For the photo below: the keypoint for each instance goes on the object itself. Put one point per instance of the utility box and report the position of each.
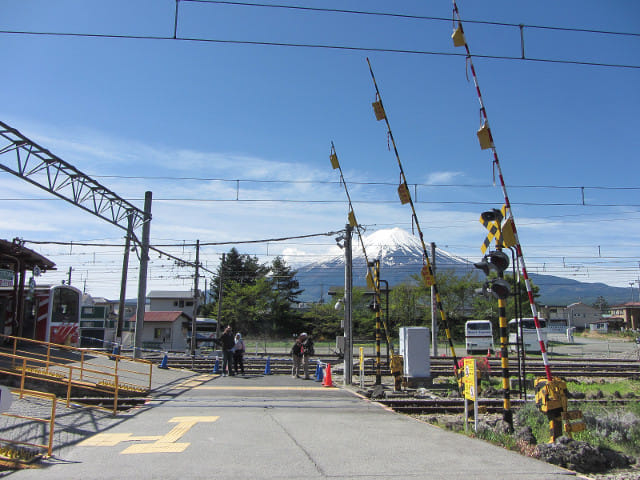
(415, 343)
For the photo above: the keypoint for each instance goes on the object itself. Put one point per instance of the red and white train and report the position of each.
(49, 314)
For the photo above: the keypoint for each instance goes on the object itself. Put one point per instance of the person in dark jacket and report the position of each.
(307, 351)
(227, 342)
(296, 356)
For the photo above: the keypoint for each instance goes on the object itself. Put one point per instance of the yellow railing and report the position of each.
(13, 449)
(116, 373)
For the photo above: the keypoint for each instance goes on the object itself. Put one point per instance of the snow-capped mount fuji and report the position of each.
(400, 255)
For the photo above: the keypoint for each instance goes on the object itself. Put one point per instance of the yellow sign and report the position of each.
(470, 381)
(429, 281)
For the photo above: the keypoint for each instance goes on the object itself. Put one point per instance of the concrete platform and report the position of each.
(276, 427)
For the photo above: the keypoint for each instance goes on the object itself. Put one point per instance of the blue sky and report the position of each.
(266, 115)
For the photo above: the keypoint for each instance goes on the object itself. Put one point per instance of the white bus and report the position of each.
(478, 336)
(529, 334)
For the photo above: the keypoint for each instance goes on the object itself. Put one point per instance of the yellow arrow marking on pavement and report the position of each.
(163, 444)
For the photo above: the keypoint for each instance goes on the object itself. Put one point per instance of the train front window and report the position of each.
(65, 305)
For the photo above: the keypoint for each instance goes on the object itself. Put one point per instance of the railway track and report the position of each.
(440, 366)
(486, 405)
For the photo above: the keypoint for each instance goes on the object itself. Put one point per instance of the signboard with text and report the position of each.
(6, 278)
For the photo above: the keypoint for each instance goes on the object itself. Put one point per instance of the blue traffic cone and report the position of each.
(116, 351)
(267, 367)
(163, 363)
(216, 366)
(319, 374)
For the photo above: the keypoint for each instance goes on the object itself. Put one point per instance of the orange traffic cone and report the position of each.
(327, 382)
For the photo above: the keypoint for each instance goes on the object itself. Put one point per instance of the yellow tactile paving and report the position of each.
(161, 444)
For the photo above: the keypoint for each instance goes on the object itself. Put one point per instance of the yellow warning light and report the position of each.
(403, 193)
(352, 218)
(379, 110)
(484, 137)
(429, 281)
(334, 161)
(458, 37)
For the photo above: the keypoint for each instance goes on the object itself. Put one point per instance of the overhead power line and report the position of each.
(377, 202)
(412, 17)
(317, 46)
(355, 182)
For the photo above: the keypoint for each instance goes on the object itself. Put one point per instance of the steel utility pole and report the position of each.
(123, 282)
(220, 283)
(194, 340)
(434, 308)
(348, 288)
(142, 280)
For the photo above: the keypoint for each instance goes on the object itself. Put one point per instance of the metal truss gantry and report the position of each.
(41, 168)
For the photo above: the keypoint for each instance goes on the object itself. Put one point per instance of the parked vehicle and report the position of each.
(529, 334)
(478, 336)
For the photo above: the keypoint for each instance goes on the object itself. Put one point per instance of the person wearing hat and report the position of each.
(307, 351)
(238, 353)
(227, 343)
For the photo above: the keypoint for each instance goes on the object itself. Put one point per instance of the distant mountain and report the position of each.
(400, 255)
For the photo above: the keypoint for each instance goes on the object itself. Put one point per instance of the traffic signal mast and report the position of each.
(498, 261)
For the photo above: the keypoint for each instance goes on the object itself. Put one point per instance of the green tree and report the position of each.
(408, 305)
(286, 290)
(246, 307)
(239, 268)
(236, 271)
(456, 296)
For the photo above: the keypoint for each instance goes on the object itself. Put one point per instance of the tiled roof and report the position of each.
(168, 317)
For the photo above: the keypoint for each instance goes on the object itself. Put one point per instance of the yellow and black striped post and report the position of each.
(507, 414)
(376, 303)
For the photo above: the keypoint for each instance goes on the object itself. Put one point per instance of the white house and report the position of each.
(171, 301)
(165, 330)
(581, 316)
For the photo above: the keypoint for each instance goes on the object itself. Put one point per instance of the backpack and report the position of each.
(307, 347)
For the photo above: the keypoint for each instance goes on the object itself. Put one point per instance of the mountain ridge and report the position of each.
(401, 256)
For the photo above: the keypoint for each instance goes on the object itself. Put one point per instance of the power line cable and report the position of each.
(411, 17)
(317, 46)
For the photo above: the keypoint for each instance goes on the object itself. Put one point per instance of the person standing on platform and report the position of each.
(307, 351)
(296, 356)
(227, 343)
(238, 354)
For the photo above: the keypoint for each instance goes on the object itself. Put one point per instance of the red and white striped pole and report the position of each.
(496, 162)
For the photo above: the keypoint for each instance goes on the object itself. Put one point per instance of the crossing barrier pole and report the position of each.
(496, 162)
(405, 197)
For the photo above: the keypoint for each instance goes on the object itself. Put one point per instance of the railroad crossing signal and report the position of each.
(497, 261)
(502, 231)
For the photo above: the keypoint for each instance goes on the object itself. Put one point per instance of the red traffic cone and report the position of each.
(327, 382)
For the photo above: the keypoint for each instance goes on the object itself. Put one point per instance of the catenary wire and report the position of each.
(317, 46)
(412, 17)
